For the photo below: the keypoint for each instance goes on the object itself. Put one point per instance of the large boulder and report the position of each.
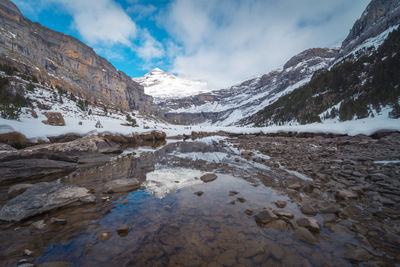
(43, 197)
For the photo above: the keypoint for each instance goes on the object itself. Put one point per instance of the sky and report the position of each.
(222, 42)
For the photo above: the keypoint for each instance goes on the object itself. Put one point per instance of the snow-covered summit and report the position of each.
(162, 85)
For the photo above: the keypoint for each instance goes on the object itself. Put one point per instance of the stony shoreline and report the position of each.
(334, 184)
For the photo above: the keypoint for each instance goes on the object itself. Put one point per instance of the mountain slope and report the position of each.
(228, 106)
(61, 60)
(358, 85)
(247, 103)
(164, 85)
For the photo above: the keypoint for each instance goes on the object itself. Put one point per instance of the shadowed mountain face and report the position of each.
(62, 60)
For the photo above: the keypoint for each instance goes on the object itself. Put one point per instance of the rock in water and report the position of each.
(304, 235)
(42, 197)
(209, 177)
(121, 185)
(265, 216)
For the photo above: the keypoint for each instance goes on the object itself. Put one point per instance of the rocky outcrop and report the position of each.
(43, 197)
(377, 17)
(62, 60)
(54, 119)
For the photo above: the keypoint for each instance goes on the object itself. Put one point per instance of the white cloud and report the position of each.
(225, 42)
(149, 48)
(100, 21)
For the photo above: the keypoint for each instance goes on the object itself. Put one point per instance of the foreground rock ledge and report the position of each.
(42, 197)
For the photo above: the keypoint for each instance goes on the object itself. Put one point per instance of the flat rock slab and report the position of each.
(121, 185)
(209, 177)
(29, 169)
(42, 197)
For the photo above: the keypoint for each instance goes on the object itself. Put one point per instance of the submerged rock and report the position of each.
(121, 185)
(265, 216)
(199, 193)
(209, 177)
(280, 204)
(357, 254)
(304, 235)
(42, 197)
(309, 223)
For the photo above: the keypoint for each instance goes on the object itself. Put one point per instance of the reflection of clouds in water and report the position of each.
(164, 181)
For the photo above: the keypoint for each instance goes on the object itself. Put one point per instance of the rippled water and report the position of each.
(170, 225)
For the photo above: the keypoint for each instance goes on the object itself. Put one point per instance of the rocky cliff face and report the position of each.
(377, 17)
(229, 106)
(62, 60)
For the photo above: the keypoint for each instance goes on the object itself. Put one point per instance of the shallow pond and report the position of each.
(176, 219)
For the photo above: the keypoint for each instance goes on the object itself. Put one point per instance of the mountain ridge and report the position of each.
(62, 60)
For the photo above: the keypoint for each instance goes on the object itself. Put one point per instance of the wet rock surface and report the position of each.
(42, 197)
(299, 200)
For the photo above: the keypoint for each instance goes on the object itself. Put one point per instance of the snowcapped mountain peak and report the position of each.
(165, 85)
(156, 70)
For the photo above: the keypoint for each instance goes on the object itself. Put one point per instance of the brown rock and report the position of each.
(283, 214)
(32, 112)
(265, 216)
(345, 194)
(54, 119)
(280, 204)
(199, 193)
(357, 254)
(232, 193)
(309, 223)
(123, 230)
(209, 177)
(13, 139)
(308, 209)
(304, 235)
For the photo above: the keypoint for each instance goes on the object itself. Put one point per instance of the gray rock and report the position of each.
(42, 197)
(17, 189)
(121, 185)
(209, 177)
